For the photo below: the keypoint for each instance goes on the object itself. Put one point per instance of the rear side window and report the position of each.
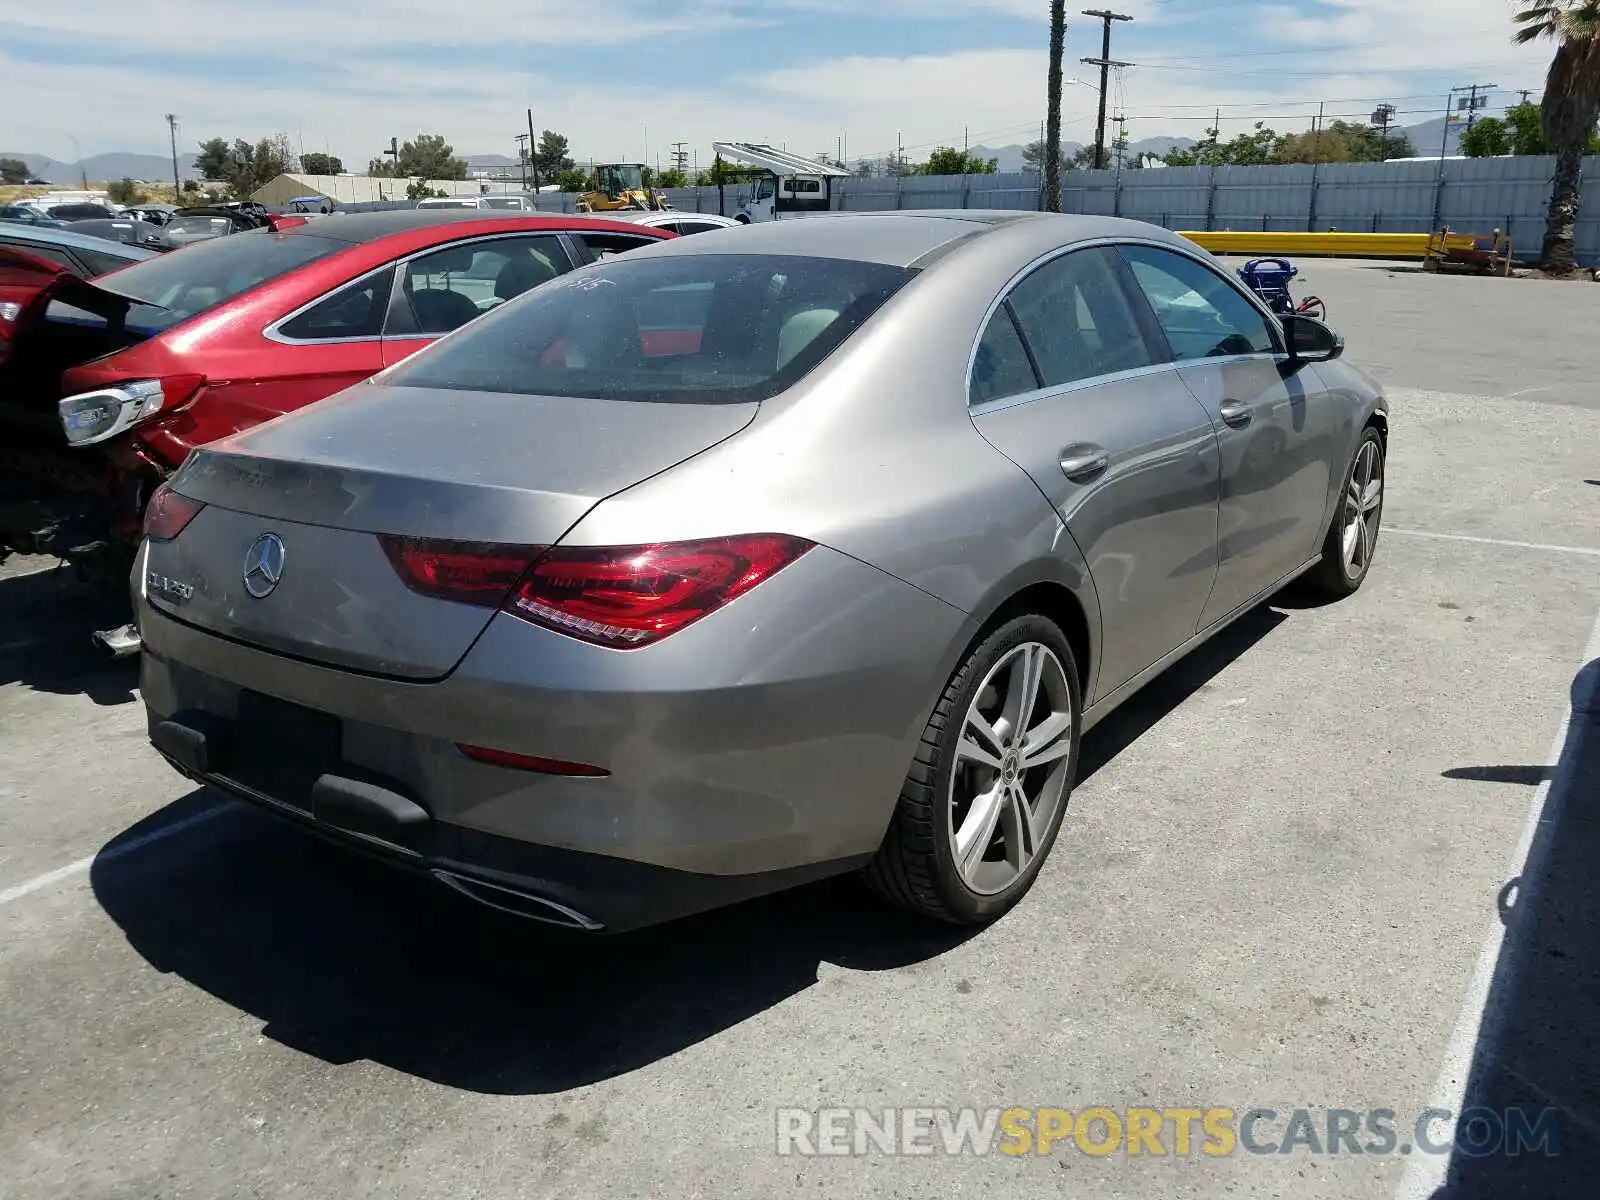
(1078, 319)
(50, 253)
(354, 311)
(706, 329)
(1001, 367)
(697, 226)
(175, 286)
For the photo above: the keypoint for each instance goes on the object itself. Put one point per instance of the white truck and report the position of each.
(787, 186)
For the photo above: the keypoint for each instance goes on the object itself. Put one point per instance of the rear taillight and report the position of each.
(630, 596)
(91, 417)
(168, 513)
(466, 572)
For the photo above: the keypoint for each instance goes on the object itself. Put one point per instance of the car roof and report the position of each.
(907, 238)
(44, 235)
(662, 216)
(357, 228)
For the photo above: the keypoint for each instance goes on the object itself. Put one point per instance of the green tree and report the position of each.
(947, 160)
(321, 164)
(13, 170)
(244, 166)
(1568, 112)
(427, 156)
(573, 180)
(420, 190)
(673, 178)
(1033, 155)
(552, 158)
(1488, 137)
(724, 172)
(1261, 145)
(212, 161)
(124, 191)
(191, 186)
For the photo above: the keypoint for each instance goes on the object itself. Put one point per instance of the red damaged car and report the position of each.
(106, 385)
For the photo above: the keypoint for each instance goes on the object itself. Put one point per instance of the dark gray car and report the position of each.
(754, 557)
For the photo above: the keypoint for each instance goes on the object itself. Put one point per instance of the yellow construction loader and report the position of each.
(618, 187)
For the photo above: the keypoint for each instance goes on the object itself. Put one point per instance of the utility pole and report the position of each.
(1120, 142)
(680, 156)
(1105, 62)
(172, 130)
(1472, 102)
(522, 157)
(1316, 136)
(1381, 117)
(533, 152)
(1524, 93)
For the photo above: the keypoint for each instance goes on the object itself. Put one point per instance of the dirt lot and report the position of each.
(1341, 859)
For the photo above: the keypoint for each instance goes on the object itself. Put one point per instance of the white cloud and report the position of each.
(348, 76)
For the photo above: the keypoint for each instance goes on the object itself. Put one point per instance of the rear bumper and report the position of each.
(590, 893)
(760, 748)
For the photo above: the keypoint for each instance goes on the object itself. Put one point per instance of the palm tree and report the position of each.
(1052, 120)
(1568, 112)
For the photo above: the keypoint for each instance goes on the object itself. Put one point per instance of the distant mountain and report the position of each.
(1159, 145)
(489, 160)
(1425, 138)
(150, 168)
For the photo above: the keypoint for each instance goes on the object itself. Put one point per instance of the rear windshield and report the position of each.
(186, 282)
(710, 328)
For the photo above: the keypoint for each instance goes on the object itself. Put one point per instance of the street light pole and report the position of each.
(172, 130)
(1105, 62)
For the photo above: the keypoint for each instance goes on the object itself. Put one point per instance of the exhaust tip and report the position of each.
(521, 904)
(121, 642)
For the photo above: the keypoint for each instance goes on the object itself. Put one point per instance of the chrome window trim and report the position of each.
(273, 332)
(1049, 256)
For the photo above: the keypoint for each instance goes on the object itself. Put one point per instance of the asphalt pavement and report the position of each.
(1340, 858)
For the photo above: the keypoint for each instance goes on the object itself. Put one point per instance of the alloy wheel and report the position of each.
(1363, 498)
(1011, 766)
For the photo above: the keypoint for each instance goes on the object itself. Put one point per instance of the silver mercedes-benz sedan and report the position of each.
(753, 557)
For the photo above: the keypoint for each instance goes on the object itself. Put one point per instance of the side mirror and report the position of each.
(1310, 340)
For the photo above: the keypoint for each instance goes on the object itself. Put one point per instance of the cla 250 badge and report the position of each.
(173, 589)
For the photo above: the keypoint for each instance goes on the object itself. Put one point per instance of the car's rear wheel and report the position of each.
(1353, 537)
(987, 790)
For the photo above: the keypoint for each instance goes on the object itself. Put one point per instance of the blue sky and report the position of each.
(625, 78)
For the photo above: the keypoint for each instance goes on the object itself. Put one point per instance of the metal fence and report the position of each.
(1468, 195)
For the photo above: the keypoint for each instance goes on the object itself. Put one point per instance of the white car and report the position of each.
(674, 220)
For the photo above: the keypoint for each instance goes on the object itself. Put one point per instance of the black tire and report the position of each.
(915, 867)
(1330, 578)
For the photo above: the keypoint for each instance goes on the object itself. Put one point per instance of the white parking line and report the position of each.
(1484, 541)
(139, 843)
(1476, 1026)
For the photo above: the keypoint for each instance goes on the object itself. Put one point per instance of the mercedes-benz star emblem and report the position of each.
(263, 565)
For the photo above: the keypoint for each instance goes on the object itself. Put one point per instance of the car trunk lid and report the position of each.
(332, 480)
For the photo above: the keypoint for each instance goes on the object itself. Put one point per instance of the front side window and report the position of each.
(1201, 314)
(604, 245)
(1078, 319)
(764, 189)
(695, 329)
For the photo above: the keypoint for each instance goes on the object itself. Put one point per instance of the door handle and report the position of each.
(1082, 461)
(1236, 413)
